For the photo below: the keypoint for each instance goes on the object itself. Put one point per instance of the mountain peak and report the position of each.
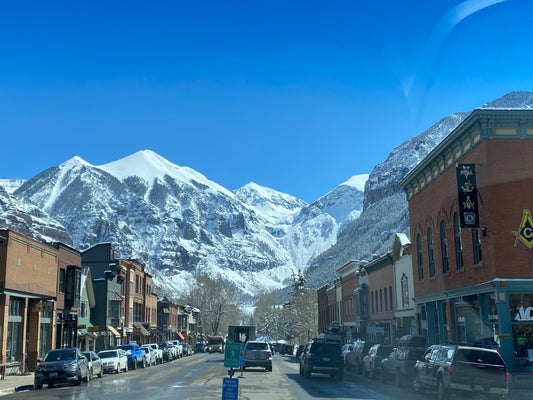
(357, 181)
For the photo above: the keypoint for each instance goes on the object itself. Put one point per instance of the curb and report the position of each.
(8, 390)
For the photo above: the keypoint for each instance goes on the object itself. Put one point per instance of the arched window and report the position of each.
(419, 257)
(458, 241)
(431, 260)
(444, 247)
(476, 244)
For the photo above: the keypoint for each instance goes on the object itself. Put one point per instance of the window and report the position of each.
(458, 241)
(419, 257)
(62, 274)
(380, 300)
(476, 243)
(137, 284)
(444, 247)
(431, 260)
(372, 296)
(405, 291)
(390, 298)
(14, 330)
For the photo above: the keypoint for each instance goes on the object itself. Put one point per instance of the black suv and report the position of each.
(322, 357)
(467, 370)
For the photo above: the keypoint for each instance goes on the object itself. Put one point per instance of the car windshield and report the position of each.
(60, 355)
(108, 354)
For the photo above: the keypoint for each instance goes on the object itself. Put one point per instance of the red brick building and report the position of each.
(471, 234)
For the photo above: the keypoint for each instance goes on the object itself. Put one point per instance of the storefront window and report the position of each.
(14, 330)
(522, 324)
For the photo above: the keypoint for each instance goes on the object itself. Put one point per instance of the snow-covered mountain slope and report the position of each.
(24, 217)
(181, 224)
(10, 185)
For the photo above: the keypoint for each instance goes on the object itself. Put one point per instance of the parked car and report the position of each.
(136, 355)
(257, 354)
(322, 356)
(200, 347)
(61, 366)
(400, 364)
(114, 360)
(345, 350)
(179, 347)
(354, 358)
(168, 352)
(151, 354)
(187, 349)
(95, 364)
(158, 351)
(464, 370)
(372, 361)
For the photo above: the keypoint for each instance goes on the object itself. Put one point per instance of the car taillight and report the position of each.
(452, 371)
(270, 354)
(506, 377)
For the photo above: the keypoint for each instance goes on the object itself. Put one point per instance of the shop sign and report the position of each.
(525, 231)
(467, 195)
(524, 314)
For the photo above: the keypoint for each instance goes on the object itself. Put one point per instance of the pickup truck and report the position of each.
(135, 354)
(462, 370)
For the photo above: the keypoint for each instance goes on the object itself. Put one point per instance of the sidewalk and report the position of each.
(16, 383)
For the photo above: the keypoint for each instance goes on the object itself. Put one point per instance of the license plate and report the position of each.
(325, 359)
(479, 388)
(53, 374)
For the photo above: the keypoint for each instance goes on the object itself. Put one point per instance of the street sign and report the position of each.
(230, 389)
(232, 354)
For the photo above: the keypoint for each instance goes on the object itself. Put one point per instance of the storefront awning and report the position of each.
(139, 328)
(113, 331)
(83, 324)
(180, 335)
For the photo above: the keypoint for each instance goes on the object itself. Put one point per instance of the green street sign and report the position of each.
(232, 354)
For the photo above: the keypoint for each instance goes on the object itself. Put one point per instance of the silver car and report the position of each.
(258, 354)
(95, 364)
(151, 354)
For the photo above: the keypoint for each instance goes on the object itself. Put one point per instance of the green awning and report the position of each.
(83, 324)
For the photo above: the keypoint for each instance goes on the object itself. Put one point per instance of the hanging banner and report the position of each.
(467, 190)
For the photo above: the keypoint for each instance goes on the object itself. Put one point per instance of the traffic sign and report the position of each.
(232, 354)
(230, 389)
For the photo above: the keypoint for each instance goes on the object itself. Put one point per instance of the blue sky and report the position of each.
(293, 95)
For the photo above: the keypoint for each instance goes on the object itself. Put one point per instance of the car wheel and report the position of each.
(117, 370)
(442, 392)
(77, 382)
(50, 385)
(301, 370)
(101, 373)
(307, 373)
(417, 386)
(37, 386)
(126, 367)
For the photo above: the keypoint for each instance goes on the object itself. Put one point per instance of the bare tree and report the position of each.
(216, 300)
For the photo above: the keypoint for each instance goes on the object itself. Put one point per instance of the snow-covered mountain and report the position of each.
(179, 223)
